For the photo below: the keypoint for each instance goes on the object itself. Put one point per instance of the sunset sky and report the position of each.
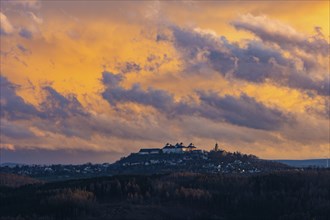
(92, 81)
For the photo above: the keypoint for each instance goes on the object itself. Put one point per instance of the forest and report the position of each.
(292, 194)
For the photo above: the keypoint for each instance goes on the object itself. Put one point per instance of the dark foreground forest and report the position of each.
(281, 195)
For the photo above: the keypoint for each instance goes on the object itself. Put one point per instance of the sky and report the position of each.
(93, 81)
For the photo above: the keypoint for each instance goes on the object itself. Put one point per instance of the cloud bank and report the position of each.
(184, 72)
(255, 61)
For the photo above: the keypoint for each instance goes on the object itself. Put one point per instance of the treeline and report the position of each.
(13, 180)
(282, 195)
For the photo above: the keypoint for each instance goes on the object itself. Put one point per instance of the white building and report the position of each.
(172, 149)
(150, 151)
(169, 149)
(178, 148)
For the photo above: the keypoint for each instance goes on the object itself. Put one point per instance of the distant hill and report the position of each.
(11, 164)
(306, 163)
(195, 161)
(13, 180)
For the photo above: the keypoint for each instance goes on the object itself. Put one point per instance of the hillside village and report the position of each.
(169, 158)
(181, 158)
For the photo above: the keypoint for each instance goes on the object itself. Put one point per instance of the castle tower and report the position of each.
(216, 147)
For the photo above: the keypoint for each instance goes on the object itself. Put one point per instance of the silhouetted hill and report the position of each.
(196, 161)
(306, 163)
(135, 163)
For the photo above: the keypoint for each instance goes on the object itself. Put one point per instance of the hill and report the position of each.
(306, 163)
(195, 161)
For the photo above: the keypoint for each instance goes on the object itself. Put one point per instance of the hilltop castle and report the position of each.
(170, 149)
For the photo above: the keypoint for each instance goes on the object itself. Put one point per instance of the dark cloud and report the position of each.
(13, 106)
(56, 105)
(25, 33)
(128, 67)
(162, 37)
(242, 111)
(12, 130)
(299, 81)
(283, 35)
(114, 93)
(254, 62)
(111, 80)
(153, 62)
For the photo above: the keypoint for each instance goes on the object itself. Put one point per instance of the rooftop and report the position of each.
(149, 149)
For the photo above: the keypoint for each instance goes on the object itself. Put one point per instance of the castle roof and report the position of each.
(149, 149)
(191, 146)
(169, 146)
(177, 145)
